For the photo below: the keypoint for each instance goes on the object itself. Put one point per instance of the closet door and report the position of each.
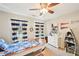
(53, 36)
(53, 40)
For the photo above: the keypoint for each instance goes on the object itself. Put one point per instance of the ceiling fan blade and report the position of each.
(52, 4)
(50, 11)
(34, 9)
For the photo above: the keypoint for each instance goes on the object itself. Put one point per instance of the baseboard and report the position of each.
(61, 48)
(52, 45)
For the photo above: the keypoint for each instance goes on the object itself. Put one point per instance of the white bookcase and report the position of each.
(19, 29)
(39, 30)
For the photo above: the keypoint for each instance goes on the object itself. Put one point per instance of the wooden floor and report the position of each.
(46, 52)
(51, 51)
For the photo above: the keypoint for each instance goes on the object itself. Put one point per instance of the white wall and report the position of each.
(66, 17)
(5, 25)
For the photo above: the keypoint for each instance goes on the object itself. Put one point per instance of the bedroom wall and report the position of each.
(5, 25)
(74, 16)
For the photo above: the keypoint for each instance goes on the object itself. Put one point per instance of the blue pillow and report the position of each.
(4, 46)
(2, 40)
(1, 50)
(35, 42)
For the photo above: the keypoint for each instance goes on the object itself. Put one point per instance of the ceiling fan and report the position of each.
(45, 7)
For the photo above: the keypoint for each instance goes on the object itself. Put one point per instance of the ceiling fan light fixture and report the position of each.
(43, 11)
(45, 8)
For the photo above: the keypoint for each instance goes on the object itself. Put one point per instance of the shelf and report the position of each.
(14, 38)
(14, 29)
(15, 24)
(14, 33)
(24, 37)
(36, 35)
(42, 25)
(69, 37)
(37, 25)
(72, 48)
(25, 33)
(70, 42)
(24, 28)
(24, 24)
(39, 30)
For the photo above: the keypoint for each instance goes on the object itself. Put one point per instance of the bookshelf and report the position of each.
(70, 43)
(19, 29)
(39, 30)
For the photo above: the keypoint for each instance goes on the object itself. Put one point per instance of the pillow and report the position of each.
(1, 50)
(2, 40)
(34, 43)
(4, 46)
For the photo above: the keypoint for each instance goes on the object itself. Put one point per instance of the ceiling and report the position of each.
(23, 9)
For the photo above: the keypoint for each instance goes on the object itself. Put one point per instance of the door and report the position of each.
(53, 40)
